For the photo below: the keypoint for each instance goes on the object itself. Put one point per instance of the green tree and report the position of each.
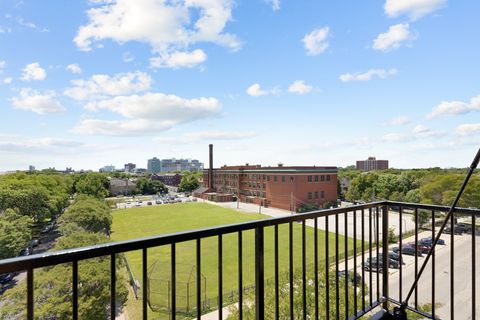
(93, 184)
(89, 213)
(189, 182)
(149, 186)
(15, 233)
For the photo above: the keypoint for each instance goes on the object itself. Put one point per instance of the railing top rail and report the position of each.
(433, 207)
(76, 254)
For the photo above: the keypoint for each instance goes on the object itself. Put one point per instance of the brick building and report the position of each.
(281, 187)
(372, 164)
(169, 179)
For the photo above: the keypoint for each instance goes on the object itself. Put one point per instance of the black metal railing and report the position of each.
(366, 229)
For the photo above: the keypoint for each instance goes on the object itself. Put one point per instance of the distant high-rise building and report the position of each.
(108, 168)
(372, 164)
(31, 168)
(154, 165)
(130, 167)
(171, 165)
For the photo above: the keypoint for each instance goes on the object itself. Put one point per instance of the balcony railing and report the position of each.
(367, 231)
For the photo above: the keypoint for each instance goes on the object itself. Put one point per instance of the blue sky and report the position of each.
(298, 82)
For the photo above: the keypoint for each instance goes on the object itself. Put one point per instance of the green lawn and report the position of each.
(156, 220)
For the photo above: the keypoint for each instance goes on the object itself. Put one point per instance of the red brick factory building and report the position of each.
(280, 187)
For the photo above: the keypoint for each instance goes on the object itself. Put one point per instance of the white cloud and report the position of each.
(274, 3)
(33, 71)
(366, 76)
(300, 87)
(455, 107)
(30, 25)
(147, 114)
(420, 129)
(167, 26)
(7, 80)
(468, 129)
(400, 121)
(47, 144)
(256, 91)
(393, 38)
(5, 29)
(415, 9)
(3, 64)
(397, 137)
(74, 68)
(316, 41)
(194, 137)
(102, 86)
(179, 59)
(34, 101)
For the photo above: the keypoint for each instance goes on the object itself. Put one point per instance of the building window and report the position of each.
(263, 185)
(309, 196)
(263, 177)
(316, 195)
(322, 194)
(309, 178)
(283, 178)
(268, 178)
(322, 178)
(292, 179)
(316, 178)
(328, 178)
(275, 178)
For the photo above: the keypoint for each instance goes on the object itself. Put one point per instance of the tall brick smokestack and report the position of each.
(210, 169)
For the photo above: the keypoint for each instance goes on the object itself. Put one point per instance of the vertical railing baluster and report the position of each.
(173, 280)
(346, 261)
(277, 303)
(363, 260)
(75, 290)
(385, 255)
(370, 254)
(220, 278)
(377, 235)
(144, 284)
(290, 232)
(199, 279)
(240, 276)
(433, 265)
(304, 273)
(113, 294)
(30, 289)
(400, 288)
(259, 274)
(327, 267)
(474, 252)
(355, 262)
(337, 287)
(452, 267)
(416, 257)
(315, 265)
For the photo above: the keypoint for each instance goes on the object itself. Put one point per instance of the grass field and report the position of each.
(156, 220)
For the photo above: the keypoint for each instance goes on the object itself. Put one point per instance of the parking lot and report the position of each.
(154, 201)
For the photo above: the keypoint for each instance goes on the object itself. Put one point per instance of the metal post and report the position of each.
(385, 254)
(259, 274)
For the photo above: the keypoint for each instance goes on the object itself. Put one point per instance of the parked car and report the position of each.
(34, 243)
(428, 241)
(194, 199)
(158, 201)
(408, 250)
(47, 228)
(26, 252)
(372, 265)
(149, 203)
(354, 277)
(394, 259)
(456, 230)
(391, 262)
(6, 278)
(423, 248)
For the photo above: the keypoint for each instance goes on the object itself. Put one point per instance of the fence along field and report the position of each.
(156, 220)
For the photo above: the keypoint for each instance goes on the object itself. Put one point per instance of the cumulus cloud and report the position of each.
(316, 42)
(468, 129)
(46, 144)
(74, 68)
(400, 121)
(420, 129)
(415, 9)
(255, 90)
(128, 57)
(35, 101)
(101, 86)
(3, 64)
(179, 59)
(7, 80)
(366, 76)
(193, 137)
(146, 114)
(300, 87)
(393, 38)
(33, 71)
(167, 26)
(454, 108)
